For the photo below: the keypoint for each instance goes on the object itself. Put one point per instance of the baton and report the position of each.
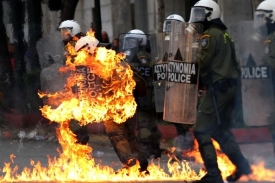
(214, 98)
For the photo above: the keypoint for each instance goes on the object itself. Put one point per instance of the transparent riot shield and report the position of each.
(181, 88)
(256, 81)
(50, 50)
(140, 51)
(159, 70)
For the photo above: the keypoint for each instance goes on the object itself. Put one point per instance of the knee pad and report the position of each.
(144, 133)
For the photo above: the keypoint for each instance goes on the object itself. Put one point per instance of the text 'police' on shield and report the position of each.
(178, 72)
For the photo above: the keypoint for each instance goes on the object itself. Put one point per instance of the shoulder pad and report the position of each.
(267, 41)
(267, 46)
(204, 41)
(205, 36)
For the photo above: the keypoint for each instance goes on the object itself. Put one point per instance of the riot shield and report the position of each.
(50, 50)
(140, 57)
(88, 84)
(256, 81)
(159, 70)
(181, 88)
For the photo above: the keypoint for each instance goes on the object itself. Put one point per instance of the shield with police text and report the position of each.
(140, 50)
(257, 91)
(88, 84)
(159, 69)
(181, 87)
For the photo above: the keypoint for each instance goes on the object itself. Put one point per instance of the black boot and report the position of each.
(242, 168)
(143, 165)
(126, 165)
(211, 177)
(156, 151)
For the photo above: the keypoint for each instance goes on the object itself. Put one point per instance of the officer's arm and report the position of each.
(144, 58)
(271, 54)
(206, 54)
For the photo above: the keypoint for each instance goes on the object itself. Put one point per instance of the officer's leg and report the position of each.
(121, 146)
(205, 125)
(272, 131)
(81, 132)
(227, 141)
(149, 133)
(184, 141)
(229, 146)
(183, 131)
(202, 132)
(130, 131)
(136, 146)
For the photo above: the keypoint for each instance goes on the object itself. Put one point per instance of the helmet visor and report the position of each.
(197, 14)
(65, 33)
(130, 42)
(262, 17)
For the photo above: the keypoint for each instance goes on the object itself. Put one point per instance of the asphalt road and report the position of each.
(103, 154)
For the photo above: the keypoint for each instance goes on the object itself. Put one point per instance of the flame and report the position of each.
(104, 87)
(99, 88)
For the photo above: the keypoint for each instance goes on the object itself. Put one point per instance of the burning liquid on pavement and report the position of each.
(99, 88)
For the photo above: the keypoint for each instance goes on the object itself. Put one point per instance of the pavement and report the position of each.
(17, 120)
(25, 150)
(40, 143)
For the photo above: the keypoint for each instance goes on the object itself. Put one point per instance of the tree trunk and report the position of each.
(5, 64)
(18, 20)
(35, 33)
(68, 10)
(6, 73)
(161, 15)
(98, 20)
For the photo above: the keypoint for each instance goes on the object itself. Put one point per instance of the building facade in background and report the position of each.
(120, 16)
(123, 15)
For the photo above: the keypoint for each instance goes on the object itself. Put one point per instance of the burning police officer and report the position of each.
(121, 135)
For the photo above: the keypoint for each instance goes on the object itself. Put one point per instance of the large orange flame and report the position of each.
(105, 73)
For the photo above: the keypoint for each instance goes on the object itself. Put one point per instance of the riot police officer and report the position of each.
(70, 33)
(218, 71)
(137, 47)
(185, 139)
(265, 17)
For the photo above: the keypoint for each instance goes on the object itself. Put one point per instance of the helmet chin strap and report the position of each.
(270, 26)
(208, 16)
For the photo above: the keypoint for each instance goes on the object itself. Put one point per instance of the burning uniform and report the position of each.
(265, 17)
(121, 135)
(218, 72)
